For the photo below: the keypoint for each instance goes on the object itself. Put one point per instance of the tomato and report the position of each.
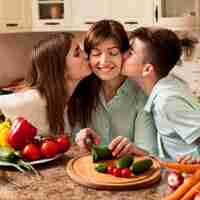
(31, 152)
(110, 170)
(63, 142)
(125, 172)
(49, 148)
(116, 172)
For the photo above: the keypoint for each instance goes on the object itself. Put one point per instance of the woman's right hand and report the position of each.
(188, 159)
(85, 133)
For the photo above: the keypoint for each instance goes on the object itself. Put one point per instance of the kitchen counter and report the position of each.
(54, 184)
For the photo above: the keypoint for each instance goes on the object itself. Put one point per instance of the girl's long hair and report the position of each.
(47, 75)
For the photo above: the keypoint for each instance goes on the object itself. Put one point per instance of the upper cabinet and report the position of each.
(133, 13)
(15, 16)
(179, 14)
(78, 15)
(51, 15)
(72, 15)
(86, 12)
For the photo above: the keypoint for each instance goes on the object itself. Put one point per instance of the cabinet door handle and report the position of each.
(89, 22)
(11, 25)
(131, 22)
(156, 13)
(51, 23)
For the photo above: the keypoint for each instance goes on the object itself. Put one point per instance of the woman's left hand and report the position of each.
(122, 146)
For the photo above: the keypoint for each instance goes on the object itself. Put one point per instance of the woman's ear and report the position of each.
(148, 69)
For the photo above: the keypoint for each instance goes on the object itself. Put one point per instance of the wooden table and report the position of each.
(54, 184)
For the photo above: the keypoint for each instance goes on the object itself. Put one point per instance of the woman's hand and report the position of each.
(122, 146)
(188, 159)
(85, 133)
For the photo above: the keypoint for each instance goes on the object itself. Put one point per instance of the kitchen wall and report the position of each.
(14, 54)
(15, 50)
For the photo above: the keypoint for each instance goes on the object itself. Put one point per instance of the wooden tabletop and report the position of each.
(54, 184)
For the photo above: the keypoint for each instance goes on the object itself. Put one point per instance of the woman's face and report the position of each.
(77, 62)
(106, 60)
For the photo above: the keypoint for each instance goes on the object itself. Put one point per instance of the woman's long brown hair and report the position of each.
(47, 75)
(86, 96)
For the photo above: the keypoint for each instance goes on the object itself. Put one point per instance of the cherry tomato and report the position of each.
(125, 172)
(116, 172)
(49, 148)
(110, 170)
(63, 142)
(31, 152)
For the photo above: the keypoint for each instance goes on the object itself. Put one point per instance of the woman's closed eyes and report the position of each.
(111, 52)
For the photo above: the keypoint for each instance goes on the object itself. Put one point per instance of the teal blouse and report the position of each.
(124, 116)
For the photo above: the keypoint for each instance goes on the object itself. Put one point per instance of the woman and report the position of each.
(58, 65)
(115, 112)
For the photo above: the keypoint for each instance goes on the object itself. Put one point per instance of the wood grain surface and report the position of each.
(81, 170)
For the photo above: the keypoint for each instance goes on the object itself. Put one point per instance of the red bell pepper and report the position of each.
(21, 133)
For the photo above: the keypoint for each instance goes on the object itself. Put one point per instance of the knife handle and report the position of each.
(89, 142)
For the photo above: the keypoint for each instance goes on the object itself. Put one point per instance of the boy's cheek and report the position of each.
(125, 56)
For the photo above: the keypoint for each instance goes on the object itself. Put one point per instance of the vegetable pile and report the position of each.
(19, 144)
(124, 167)
(185, 188)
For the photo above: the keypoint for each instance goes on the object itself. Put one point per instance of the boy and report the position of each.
(154, 52)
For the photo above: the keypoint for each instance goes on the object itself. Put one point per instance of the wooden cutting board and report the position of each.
(81, 170)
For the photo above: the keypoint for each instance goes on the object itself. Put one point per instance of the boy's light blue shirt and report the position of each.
(124, 115)
(177, 117)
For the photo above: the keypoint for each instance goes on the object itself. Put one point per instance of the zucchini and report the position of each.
(141, 166)
(101, 153)
(101, 167)
(124, 161)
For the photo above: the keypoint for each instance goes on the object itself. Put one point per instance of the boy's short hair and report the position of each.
(163, 47)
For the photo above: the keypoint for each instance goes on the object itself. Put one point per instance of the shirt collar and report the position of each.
(125, 88)
(154, 93)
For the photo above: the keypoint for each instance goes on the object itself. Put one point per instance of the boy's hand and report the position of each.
(187, 159)
(122, 146)
(85, 133)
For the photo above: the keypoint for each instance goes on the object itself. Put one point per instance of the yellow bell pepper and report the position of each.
(4, 132)
(5, 124)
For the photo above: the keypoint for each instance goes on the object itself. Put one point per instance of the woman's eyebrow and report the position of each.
(114, 47)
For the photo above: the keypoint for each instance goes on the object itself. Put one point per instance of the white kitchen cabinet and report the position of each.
(51, 15)
(15, 15)
(179, 15)
(86, 12)
(133, 13)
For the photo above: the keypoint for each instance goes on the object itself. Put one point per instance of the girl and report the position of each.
(58, 65)
(106, 101)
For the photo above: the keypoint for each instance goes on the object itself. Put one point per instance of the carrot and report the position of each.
(185, 187)
(191, 193)
(188, 168)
